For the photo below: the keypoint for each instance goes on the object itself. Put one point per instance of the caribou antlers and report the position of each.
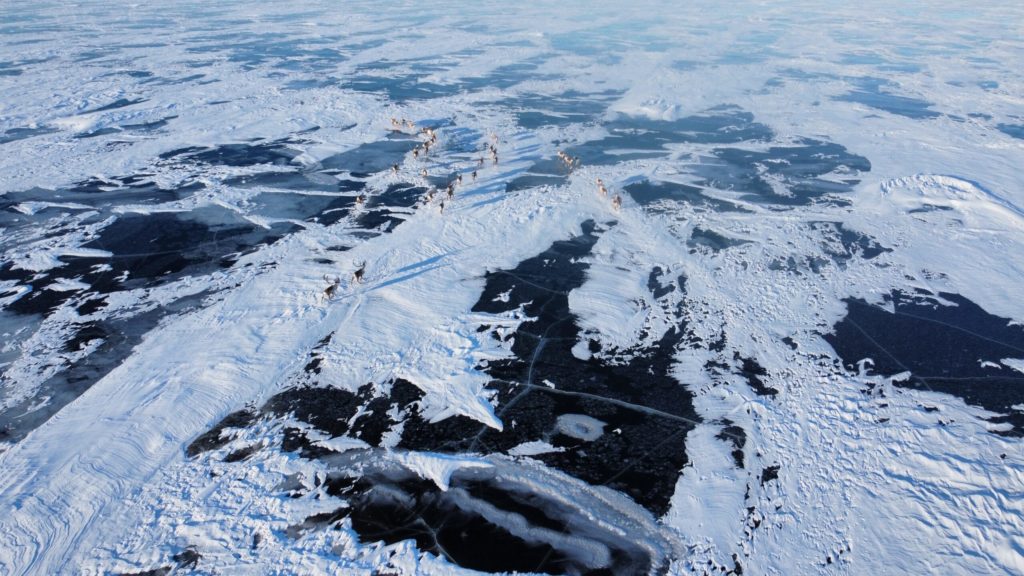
(334, 283)
(332, 287)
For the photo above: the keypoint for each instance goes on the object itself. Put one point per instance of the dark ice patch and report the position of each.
(372, 157)
(295, 181)
(528, 181)
(942, 344)
(736, 436)
(152, 246)
(844, 243)
(646, 411)
(116, 338)
(606, 43)
(570, 107)
(102, 194)
(639, 450)
(659, 290)
(399, 87)
(159, 81)
(877, 94)
(1013, 130)
(799, 265)
(636, 138)
(219, 436)
(147, 249)
(276, 49)
(646, 192)
(475, 524)
(400, 195)
(800, 168)
(646, 414)
(388, 209)
(277, 152)
(406, 80)
(328, 409)
(13, 134)
(319, 208)
(545, 172)
(702, 237)
(753, 373)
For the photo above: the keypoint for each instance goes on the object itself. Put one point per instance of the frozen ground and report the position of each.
(797, 347)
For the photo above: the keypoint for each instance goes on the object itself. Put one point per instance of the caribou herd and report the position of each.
(429, 137)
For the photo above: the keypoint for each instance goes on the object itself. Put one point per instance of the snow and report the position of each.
(581, 426)
(438, 467)
(1015, 363)
(866, 483)
(533, 448)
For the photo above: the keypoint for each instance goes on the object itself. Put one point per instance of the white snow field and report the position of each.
(797, 347)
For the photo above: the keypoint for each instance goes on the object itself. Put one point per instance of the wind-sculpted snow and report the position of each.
(459, 288)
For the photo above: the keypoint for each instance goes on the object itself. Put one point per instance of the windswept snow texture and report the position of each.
(473, 287)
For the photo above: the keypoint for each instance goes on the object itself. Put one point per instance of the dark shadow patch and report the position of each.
(119, 103)
(162, 571)
(149, 126)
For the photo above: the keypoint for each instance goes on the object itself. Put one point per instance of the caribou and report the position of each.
(332, 287)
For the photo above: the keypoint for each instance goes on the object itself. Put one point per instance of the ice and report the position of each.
(180, 227)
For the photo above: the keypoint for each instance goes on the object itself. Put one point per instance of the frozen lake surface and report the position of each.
(459, 288)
